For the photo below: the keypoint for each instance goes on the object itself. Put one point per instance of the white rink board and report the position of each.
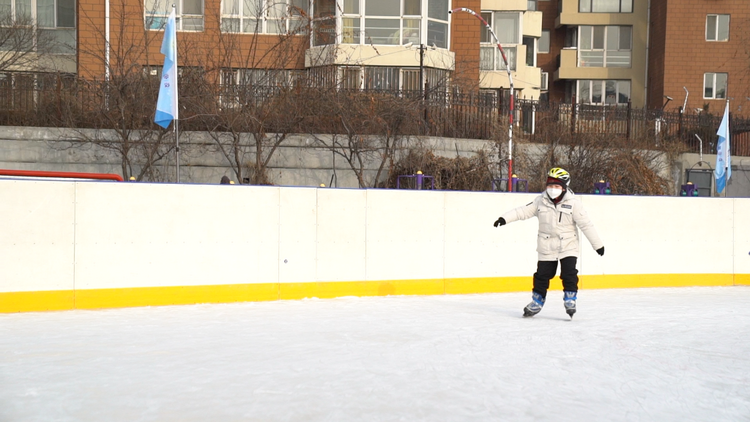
(64, 235)
(742, 236)
(297, 234)
(405, 234)
(660, 235)
(475, 248)
(144, 235)
(342, 235)
(36, 235)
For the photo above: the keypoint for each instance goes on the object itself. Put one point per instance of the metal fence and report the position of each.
(33, 100)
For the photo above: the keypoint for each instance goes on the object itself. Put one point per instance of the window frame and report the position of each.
(150, 18)
(268, 24)
(603, 92)
(541, 43)
(592, 2)
(510, 48)
(714, 85)
(63, 37)
(607, 56)
(717, 28)
(357, 25)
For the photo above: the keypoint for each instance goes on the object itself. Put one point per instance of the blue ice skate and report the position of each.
(533, 308)
(569, 300)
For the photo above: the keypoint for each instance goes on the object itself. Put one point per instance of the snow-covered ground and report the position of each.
(678, 354)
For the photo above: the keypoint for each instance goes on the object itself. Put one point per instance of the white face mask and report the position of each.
(554, 192)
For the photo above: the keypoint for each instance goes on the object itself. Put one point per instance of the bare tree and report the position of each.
(249, 108)
(22, 44)
(116, 113)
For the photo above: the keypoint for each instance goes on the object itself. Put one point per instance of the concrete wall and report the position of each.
(77, 245)
(300, 161)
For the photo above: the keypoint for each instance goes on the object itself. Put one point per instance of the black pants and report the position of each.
(545, 270)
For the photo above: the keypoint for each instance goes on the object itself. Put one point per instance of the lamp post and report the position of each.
(510, 79)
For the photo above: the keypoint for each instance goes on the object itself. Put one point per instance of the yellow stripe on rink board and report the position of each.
(742, 279)
(177, 295)
(361, 288)
(227, 293)
(626, 281)
(52, 300)
(488, 285)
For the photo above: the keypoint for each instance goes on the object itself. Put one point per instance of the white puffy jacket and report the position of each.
(558, 225)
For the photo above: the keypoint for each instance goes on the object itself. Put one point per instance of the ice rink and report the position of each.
(680, 354)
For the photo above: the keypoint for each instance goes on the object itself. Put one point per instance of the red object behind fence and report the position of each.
(61, 174)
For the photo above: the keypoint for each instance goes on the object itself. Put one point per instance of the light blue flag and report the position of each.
(166, 106)
(723, 170)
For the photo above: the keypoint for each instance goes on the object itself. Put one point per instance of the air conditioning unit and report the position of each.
(545, 82)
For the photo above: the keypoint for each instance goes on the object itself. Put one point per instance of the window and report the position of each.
(717, 27)
(381, 78)
(543, 47)
(264, 16)
(605, 6)
(715, 86)
(531, 5)
(508, 32)
(605, 46)
(351, 78)
(610, 92)
(544, 86)
(55, 19)
(347, 78)
(393, 22)
(324, 22)
(530, 53)
(437, 23)
(189, 14)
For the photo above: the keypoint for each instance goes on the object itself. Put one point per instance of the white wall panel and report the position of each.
(297, 235)
(405, 234)
(741, 235)
(137, 235)
(36, 235)
(58, 235)
(474, 248)
(660, 235)
(342, 235)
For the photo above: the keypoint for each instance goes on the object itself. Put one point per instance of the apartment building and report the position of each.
(518, 27)
(652, 53)
(699, 55)
(595, 50)
(358, 44)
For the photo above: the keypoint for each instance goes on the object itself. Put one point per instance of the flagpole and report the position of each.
(726, 167)
(177, 141)
(177, 108)
(723, 169)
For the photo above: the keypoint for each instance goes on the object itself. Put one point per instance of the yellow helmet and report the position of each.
(559, 174)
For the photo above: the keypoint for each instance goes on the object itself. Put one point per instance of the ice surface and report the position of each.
(678, 354)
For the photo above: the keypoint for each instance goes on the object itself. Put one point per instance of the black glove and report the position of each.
(500, 222)
(600, 251)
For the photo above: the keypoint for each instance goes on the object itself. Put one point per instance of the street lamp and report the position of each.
(510, 79)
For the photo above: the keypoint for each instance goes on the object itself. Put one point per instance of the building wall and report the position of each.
(210, 49)
(657, 53)
(688, 55)
(547, 62)
(636, 73)
(465, 35)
